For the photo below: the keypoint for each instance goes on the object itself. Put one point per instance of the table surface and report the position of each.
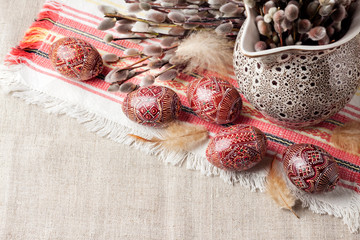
(59, 181)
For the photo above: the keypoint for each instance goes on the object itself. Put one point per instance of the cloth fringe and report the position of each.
(52, 5)
(35, 35)
(332, 203)
(252, 179)
(350, 215)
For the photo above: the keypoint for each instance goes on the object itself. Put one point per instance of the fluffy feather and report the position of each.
(179, 136)
(205, 50)
(277, 189)
(347, 137)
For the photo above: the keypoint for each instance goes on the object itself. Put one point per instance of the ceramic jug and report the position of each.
(298, 85)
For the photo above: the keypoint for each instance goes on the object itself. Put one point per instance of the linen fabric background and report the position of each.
(58, 181)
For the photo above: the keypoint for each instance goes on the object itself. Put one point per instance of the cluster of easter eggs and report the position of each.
(235, 148)
(213, 99)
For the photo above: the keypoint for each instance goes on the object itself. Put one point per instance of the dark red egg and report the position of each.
(237, 148)
(215, 100)
(75, 58)
(310, 168)
(153, 106)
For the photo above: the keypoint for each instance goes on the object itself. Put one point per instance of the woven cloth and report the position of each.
(29, 75)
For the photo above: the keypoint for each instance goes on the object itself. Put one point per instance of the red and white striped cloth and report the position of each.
(31, 77)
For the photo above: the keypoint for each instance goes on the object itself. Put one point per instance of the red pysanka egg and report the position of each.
(153, 106)
(75, 58)
(215, 100)
(237, 148)
(310, 168)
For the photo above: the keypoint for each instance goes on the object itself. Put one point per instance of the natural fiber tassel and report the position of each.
(179, 136)
(33, 37)
(277, 189)
(205, 50)
(347, 137)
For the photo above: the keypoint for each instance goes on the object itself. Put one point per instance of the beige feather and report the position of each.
(179, 136)
(277, 189)
(205, 50)
(347, 137)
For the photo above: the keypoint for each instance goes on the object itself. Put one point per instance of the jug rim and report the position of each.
(247, 47)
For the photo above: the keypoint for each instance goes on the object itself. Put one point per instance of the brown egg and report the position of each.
(237, 148)
(215, 100)
(75, 58)
(310, 168)
(153, 106)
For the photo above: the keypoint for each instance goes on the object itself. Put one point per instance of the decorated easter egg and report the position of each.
(215, 100)
(310, 168)
(75, 58)
(153, 106)
(237, 148)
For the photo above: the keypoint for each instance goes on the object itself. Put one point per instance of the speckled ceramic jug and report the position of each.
(298, 86)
